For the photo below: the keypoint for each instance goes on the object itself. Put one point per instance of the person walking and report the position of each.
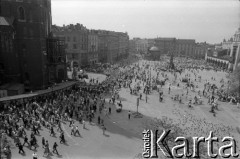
(33, 143)
(52, 133)
(84, 123)
(70, 122)
(129, 114)
(76, 131)
(55, 145)
(25, 141)
(20, 148)
(99, 120)
(62, 138)
(104, 129)
(43, 142)
(72, 129)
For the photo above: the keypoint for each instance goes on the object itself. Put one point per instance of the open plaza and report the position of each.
(104, 132)
(117, 79)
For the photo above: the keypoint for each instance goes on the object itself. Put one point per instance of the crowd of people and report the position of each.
(81, 102)
(78, 103)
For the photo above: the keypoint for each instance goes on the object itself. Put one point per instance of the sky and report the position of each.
(202, 20)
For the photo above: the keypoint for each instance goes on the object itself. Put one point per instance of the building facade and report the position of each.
(56, 59)
(178, 47)
(103, 46)
(92, 47)
(123, 45)
(166, 45)
(200, 50)
(141, 45)
(8, 62)
(229, 51)
(86, 47)
(185, 47)
(32, 26)
(76, 43)
(112, 46)
(132, 46)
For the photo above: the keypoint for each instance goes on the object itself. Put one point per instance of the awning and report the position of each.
(41, 92)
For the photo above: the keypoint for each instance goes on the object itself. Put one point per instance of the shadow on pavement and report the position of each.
(65, 143)
(118, 123)
(106, 135)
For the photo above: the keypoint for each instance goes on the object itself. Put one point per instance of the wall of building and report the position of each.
(92, 47)
(87, 47)
(123, 45)
(76, 41)
(32, 26)
(185, 47)
(113, 46)
(200, 50)
(9, 71)
(102, 46)
(165, 45)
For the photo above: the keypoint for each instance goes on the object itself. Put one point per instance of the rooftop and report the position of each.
(4, 21)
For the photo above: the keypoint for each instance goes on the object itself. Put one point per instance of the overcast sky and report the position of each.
(203, 20)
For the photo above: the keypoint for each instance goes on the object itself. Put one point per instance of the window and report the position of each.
(74, 39)
(68, 38)
(74, 46)
(31, 32)
(21, 13)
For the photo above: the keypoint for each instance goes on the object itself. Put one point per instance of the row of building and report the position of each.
(85, 47)
(34, 53)
(180, 47)
(227, 54)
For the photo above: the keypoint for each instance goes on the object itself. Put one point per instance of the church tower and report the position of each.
(32, 21)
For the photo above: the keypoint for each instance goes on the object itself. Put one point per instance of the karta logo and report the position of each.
(152, 143)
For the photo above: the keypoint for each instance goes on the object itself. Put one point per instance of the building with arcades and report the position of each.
(227, 55)
(31, 23)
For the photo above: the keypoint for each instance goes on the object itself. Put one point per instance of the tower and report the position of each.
(32, 22)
